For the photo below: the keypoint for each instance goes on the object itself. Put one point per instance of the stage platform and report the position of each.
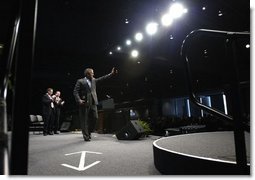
(206, 153)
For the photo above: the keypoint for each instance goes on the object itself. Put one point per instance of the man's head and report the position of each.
(57, 93)
(89, 73)
(50, 91)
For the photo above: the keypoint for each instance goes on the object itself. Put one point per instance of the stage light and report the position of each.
(110, 52)
(204, 8)
(205, 53)
(151, 28)
(177, 10)
(220, 13)
(134, 53)
(166, 20)
(139, 36)
(128, 42)
(126, 21)
(247, 46)
(118, 48)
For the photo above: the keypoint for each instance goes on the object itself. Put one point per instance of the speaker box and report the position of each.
(133, 130)
(119, 120)
(65, 126)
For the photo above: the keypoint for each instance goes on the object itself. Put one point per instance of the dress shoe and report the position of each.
(50, 133)
(86, 138)
(45, 134)
(56, 132)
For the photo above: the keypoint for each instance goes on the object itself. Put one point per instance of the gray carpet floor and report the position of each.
(67, 154)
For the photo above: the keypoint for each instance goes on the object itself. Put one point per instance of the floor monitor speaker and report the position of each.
(133, 130)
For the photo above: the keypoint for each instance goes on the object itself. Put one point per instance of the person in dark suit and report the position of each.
(47, 112)
(58, 103)
(86, 97)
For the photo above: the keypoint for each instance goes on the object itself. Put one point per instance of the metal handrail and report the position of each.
(239, 128)
(23, 71)
(3, 95)
(185, 44)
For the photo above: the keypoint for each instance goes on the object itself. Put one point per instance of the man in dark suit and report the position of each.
(86, 97)
(58, 103)
(47, 112)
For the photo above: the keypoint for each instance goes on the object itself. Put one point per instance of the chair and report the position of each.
(39, 123)
(32, 118)
(32, 121)
(36, 123)
(39, 118)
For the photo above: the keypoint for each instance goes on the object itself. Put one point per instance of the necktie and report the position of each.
(89, 83)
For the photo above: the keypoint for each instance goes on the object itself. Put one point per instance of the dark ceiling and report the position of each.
(74, 34)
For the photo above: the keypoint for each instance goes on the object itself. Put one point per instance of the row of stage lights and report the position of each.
(176, 10)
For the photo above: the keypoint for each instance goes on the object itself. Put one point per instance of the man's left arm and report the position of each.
(113, 72)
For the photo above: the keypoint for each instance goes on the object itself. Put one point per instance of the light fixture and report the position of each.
(177, 10)
(220, 13)
(128, 42)
(166, 20)
(134, 53)
(139, 36)
(151, 28)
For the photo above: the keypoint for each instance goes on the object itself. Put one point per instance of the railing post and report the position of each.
(237, 108)
(4, 157)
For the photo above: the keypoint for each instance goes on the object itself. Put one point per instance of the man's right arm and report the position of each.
(76, 91)
(46, 100)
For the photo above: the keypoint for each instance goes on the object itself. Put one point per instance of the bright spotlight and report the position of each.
(134, 53)
(177, 10)
(110, 52)
(128, 42)
(139, 36)
(118, 48)
(152, 28)
(166, 20)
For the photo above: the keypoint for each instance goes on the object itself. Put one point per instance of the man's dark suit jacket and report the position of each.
(82, 91)
(46, 105)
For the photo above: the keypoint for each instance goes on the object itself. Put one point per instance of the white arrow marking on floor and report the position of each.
(82, 166)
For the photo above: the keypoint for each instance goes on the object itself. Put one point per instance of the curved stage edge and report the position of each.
(207, 153)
